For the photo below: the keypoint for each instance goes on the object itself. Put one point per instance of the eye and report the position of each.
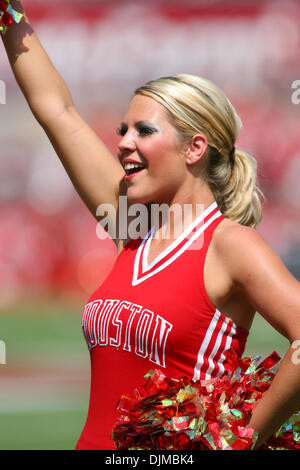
(145, 130)
(122, 130)
(142, 130)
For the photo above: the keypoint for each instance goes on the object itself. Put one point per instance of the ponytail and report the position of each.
(234, 184)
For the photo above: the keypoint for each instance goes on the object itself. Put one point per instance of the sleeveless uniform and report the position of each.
(148, 316)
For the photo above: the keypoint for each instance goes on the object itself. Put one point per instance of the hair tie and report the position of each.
(232, 155)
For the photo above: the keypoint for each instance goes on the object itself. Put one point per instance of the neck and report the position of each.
(170, 219)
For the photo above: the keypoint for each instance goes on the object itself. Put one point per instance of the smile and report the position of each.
(133, 168)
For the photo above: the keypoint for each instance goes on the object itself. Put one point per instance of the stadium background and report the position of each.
(50, 257)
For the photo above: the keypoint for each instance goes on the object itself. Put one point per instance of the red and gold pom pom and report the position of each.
(8, 16)
(172, 414)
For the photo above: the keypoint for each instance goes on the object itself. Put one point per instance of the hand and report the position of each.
(17, 5)
(9, 15)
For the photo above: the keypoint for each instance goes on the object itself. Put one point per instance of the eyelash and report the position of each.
(121, 131)
(142, 131)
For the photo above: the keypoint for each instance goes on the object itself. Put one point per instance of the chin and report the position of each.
(135, 197)
(144, 195)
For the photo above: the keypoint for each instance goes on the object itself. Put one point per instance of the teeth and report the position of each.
(132, 166)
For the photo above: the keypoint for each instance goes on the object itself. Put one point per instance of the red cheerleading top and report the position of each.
(154, 316)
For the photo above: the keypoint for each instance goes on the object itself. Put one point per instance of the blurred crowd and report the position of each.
(104, 50)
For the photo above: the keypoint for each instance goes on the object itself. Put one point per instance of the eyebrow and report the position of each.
(139, 124)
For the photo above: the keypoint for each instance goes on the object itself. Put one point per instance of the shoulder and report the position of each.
(243, 250)
(232, 235)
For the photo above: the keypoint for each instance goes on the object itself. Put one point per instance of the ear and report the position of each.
(196, 149)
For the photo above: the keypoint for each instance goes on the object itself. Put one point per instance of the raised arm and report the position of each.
(94, 171)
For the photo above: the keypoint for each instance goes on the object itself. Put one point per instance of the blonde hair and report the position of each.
(197, 105)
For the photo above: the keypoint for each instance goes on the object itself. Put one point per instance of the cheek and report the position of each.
(160, 154)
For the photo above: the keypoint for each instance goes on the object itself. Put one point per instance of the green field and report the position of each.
(44, 385)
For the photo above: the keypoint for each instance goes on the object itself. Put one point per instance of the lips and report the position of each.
(132, 167)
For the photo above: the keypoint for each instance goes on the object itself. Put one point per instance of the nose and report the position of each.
(126, 145)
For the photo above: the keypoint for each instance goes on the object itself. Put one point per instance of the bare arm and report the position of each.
(94, 171)
(259, 273)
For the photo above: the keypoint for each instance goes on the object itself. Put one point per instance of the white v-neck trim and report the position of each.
(176, 242)
(147, 270)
